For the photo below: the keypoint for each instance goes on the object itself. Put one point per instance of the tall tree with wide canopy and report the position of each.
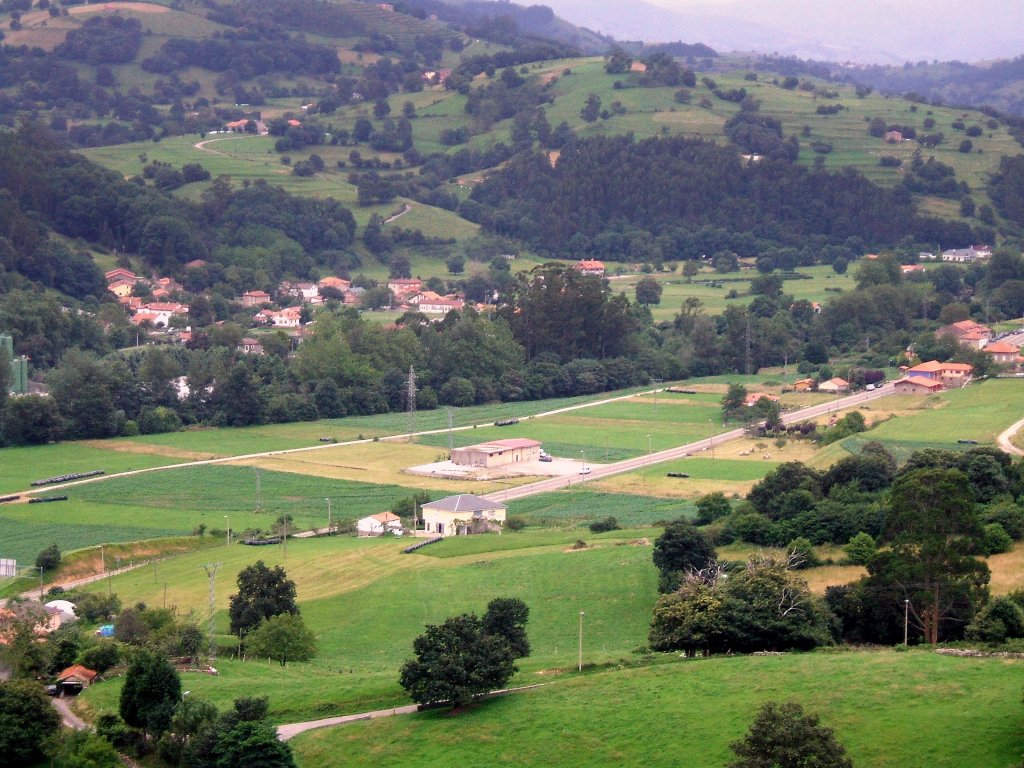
(262, 593)
(935, 534)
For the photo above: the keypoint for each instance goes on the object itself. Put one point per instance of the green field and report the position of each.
(712, 288)
(889, 709)
(366, 602)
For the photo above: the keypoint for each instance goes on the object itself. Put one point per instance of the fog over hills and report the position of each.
(868, 31)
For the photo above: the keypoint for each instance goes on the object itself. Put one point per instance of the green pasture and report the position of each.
(578, 505)
(366, 602)
(712, 288)
(979, 412)
(889, 709)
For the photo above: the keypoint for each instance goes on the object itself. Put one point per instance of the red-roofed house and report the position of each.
(255, 298)
(121, 274)
(75, 678)
(497, 453)
(402, 287)
(159, 313)
(121, 287)
(337, 283)
(968, 333)
(917, 385)
(1003, 353)
(440, 306)
(590, 267)
(950, 374)
(753, 398)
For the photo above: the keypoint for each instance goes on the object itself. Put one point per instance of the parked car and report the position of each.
(545, 457)
(585, 470)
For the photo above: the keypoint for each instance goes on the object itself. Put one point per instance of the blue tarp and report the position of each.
(106, 630)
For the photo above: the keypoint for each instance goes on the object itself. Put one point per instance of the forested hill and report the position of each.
(617, 198)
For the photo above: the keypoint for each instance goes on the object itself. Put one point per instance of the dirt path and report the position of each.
(1006, 436)
(291, 730)
(67, 717)
(201, 145)
(405, 209)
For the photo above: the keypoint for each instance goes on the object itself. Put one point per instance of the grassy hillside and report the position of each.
(887, 708)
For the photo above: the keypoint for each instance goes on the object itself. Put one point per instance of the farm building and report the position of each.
(378, 525)
(916, 385)
(75, 679)
(497, 453)
(803, 385)
(462, 514)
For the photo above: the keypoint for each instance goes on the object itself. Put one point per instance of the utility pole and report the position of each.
(259, 495)
(40, 583)
(211, 575)
(410, 401)
(227, 531)
(328, 516)
(285, 539)
(906, 622)
(451, 437)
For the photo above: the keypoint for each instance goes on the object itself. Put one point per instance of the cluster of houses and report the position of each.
(157, 312)
(974, 335)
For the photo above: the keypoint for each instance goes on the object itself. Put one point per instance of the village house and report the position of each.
(948, 374)
(289, 317)
(967, 255)
(911, 269)
(159, 314)
(75, 679)
(834, 385)
(803, 385)
(339, 284)
(403, 287)
(462, 514)
(497, 453)
(251, 346)
(121, 287)
(893, 137)
(590, 267)
(308, 292)
(968, 333)
(378, 525)
(753, 398)
(1003, 353)
(121, 274)
(354, 296)
(637, 66)
(255, 298)
(441, 305)
(916, 385)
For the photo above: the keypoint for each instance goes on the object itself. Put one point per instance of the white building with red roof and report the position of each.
(590, 267)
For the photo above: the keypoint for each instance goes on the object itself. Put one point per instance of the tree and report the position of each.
(262, 593)
(734, 401)
(782, 736)
(680, 548)
(82, 749)
(506, 617)
(648, 291)
(592, 109)
(151, 691)
(30, 420)
(711, 507)
(49, 558)
(283, 637)
(457, 662)
(935, 533)
(253, 743)
(26, 720)
(861, 548)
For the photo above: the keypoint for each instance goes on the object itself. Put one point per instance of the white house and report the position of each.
(378, 525)
(462, 514)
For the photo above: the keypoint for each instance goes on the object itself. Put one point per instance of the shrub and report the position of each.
(861, 548)
(49, 558)
(801, 553)
(515, 524)
(998, 621)
(996, 540)
(604, 525)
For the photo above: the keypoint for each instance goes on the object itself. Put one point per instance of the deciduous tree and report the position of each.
(782, 736)
(262, 592)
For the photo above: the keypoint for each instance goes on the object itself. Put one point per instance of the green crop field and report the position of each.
(889, 709)
(578, 505)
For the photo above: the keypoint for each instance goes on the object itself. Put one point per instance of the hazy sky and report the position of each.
(891, 31)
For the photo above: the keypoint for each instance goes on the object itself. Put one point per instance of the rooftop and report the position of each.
(464, 502)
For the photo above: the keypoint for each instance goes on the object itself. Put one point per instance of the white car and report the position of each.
(585, 470)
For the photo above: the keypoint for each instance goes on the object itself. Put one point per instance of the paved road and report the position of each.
(631, 465)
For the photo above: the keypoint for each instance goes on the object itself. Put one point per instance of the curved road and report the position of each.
(1006, 436)
(670, 454)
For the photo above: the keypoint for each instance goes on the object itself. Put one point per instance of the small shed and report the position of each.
(834, 385)
(378, 525)
(75, 679)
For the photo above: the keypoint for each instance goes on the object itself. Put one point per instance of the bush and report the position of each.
(515, 524)
(604, 525)
(801, 553)
(861, 548)
(49, 558)
(1009, 515)
(996, 540)
(998, 621)
(102, 656)
(711, 507)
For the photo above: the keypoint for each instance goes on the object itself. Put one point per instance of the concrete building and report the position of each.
(497, 453)
(461, 515)
(378, 525)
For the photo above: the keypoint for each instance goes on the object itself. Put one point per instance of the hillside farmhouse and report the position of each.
(916, 385)
(834, 385)
(378, 525)
(947, 374)
(462, 514)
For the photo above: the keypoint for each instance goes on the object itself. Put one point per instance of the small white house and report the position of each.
(378, 525)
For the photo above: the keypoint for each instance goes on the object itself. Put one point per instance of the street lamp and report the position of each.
(328, 516)
(580, 662)
(227, 531)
